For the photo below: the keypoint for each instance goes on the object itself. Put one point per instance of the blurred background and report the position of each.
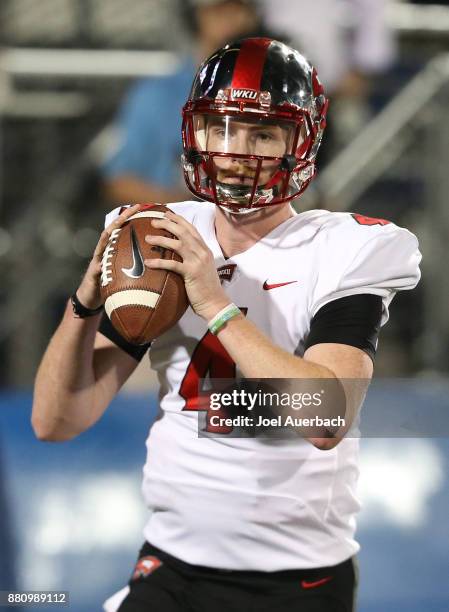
(90, 99)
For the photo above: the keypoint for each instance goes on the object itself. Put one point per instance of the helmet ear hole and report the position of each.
(193, 157)
(289, 163)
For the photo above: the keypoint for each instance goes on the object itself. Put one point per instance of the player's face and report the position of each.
(256, 138)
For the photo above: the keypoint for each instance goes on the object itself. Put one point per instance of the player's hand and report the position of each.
(205, 293)
(88, 292)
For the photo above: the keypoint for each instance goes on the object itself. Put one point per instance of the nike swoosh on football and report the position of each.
(138, 268)
(267, 287)
(311, 585)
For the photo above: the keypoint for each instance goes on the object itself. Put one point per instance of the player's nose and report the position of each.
(240, 143)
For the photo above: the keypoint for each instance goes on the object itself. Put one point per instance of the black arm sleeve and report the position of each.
(106, 328)
(353, 320)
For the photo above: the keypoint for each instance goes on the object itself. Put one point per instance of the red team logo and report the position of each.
(145, 566)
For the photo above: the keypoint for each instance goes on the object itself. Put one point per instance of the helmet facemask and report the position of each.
(244, 161)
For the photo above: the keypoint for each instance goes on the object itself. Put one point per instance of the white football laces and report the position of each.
(106, 263)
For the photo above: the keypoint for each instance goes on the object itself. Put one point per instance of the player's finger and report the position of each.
(116, 224)
(171, 216)
(101, 244)
(169, 243)
(180, 231)
(176, 218)
(165, 264)
(123, 217)
(186, 234)
(126, 214)
(168, 225)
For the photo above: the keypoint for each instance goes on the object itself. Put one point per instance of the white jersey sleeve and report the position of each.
(379, 259)
(113, 214)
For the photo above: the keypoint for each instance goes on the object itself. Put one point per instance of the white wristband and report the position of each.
(226, 314)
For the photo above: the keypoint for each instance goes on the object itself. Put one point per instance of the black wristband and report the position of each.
(80, 311)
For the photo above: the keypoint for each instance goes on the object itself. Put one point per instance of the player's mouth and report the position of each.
(237, 179)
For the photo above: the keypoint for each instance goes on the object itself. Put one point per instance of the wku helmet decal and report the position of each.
(244, 94)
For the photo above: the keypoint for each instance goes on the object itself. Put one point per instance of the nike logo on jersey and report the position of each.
(138, 268)
(268, 287)
(316, 583)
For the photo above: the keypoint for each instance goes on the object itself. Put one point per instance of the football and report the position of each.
(141, 303)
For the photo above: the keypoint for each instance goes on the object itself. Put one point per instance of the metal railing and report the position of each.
(383, 140)
(87, 63)
(413, 19)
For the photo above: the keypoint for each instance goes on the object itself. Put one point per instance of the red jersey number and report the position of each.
(209, 358)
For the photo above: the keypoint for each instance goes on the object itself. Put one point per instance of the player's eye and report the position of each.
(219, 132)
(265, 136)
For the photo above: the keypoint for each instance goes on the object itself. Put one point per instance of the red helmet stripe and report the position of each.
(250, 63)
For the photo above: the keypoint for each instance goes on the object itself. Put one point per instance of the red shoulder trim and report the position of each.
(363, 220)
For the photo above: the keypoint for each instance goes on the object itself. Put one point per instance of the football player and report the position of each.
(241, 523)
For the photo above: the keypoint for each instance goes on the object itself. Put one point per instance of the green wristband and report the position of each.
(225, 315)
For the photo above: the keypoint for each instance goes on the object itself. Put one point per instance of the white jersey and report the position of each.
(253, 503)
